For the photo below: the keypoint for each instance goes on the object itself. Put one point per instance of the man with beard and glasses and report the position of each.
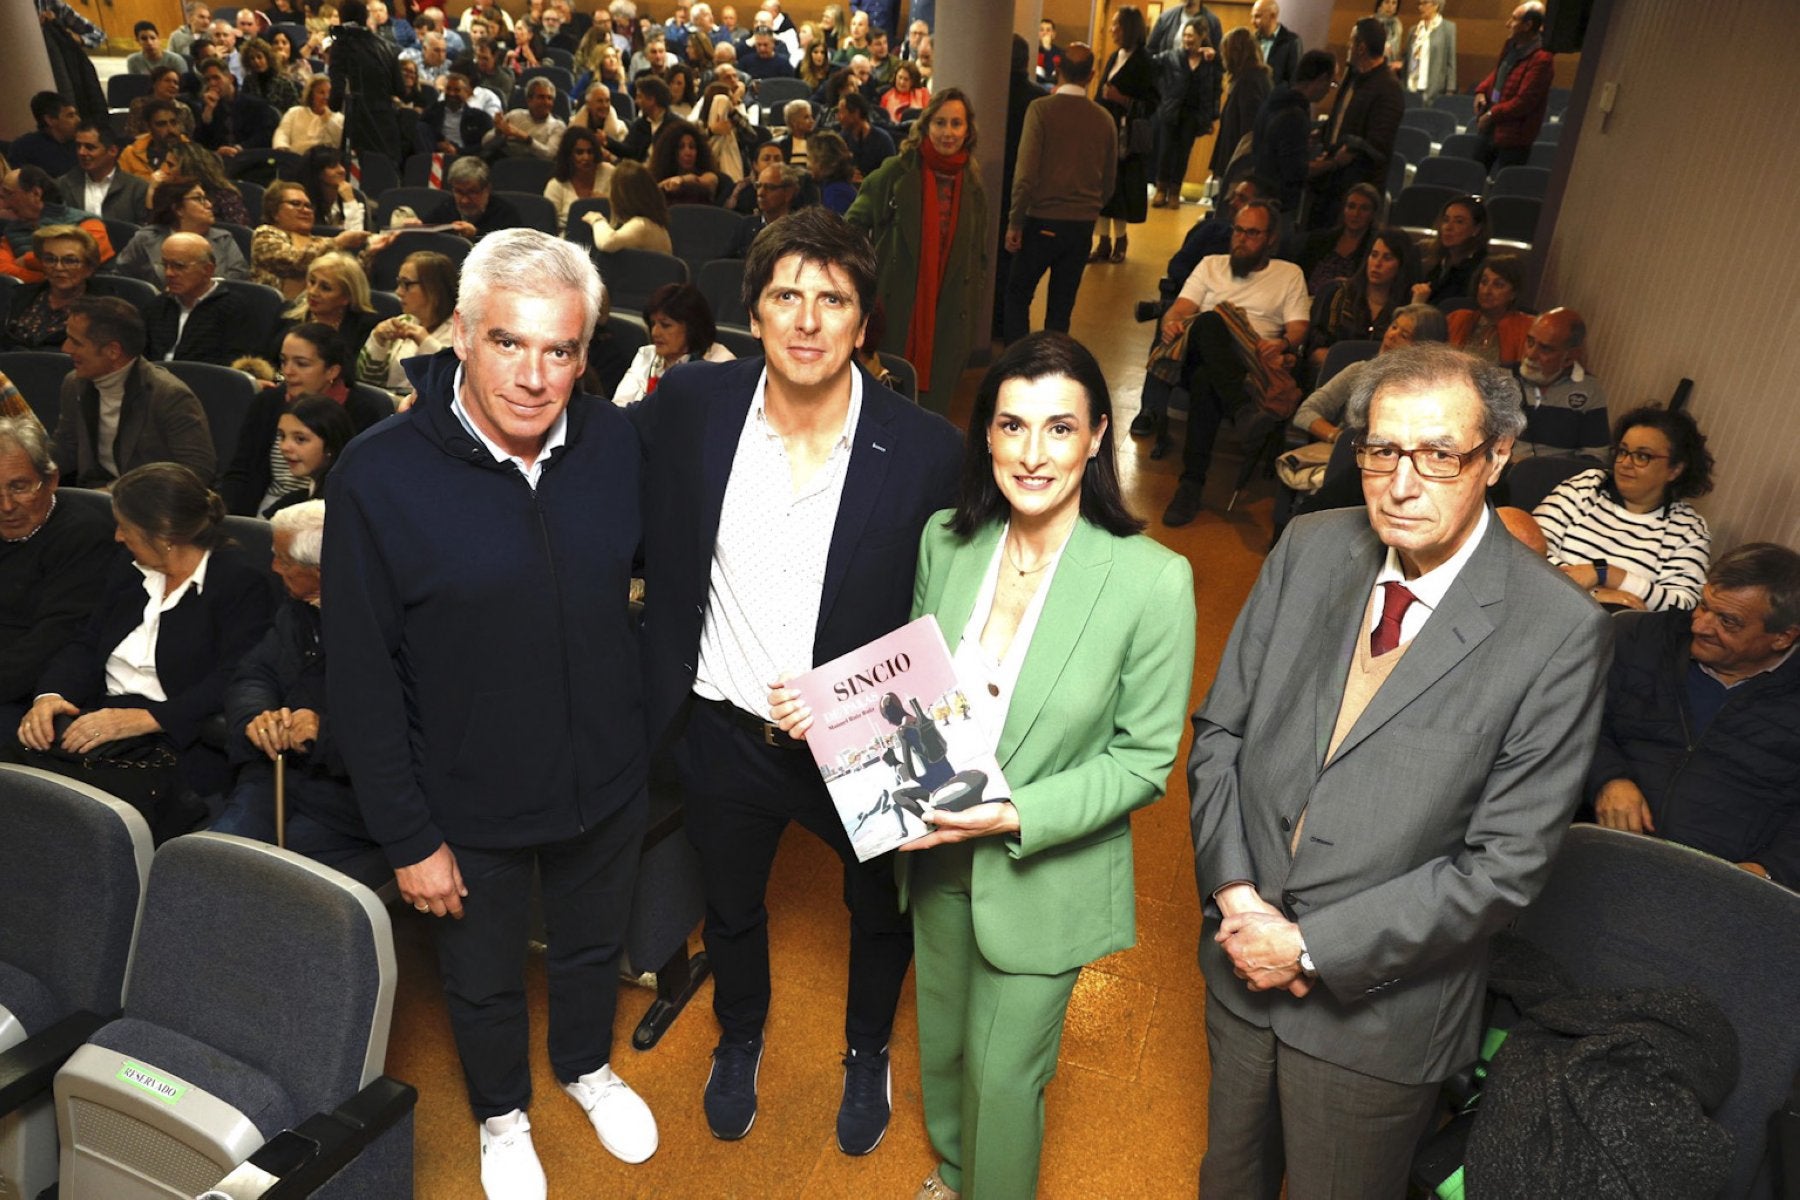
(1272, 295)
(1565, 408)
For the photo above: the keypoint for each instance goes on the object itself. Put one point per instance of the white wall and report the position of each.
(1679, 240)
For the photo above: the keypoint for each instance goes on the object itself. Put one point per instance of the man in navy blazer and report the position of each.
(782, 515)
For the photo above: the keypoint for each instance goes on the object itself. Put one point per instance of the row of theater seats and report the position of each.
(217, 1011)
(1437, 158)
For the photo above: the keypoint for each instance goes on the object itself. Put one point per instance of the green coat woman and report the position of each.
(927, 214)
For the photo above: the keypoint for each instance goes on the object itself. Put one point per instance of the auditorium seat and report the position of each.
(1418, 206)
(1551, 132)
(701, 233)
(629, 333)
(385, 304)
(384, 268)
(38, 374)
(560, 76)
(239, 233)
(260, 992)
(225, 393)
(1460, 105)
(774, 94)
(1464, 174)
(536, 211)
(378, 172)
(119, 233)
(73, 863)
(1397, 174)
(1520, 181)
(1543, 154)
(259, 309)
(520, 175)
(906, 377)
(252, 193)
(1414, 143)
(1622, 910)
(721, 281)
(134, 292)
(1341, 354)
(631, 275)
(1462, 145)
(122, 89)
(433, 206)
(1514, 218)
(577, 230)
(1437, 123)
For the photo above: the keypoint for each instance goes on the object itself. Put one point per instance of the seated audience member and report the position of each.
(742, 199)
(310, 122)
(225, 120)
(1630, 536)
(413, 96)
(179, 205)
(828, 158)
(732, 138)
(1453, 257)
(98, 185)
(313, 362)
(777, 194)
(336, 296)
(426, 284)
(1365, 302)
(767, 59)
(165, 85)
(150, 53)
(195, 161)
(598, 114)
(31, 200)
(478, 211)
(275, 705)
(1210, 236)
(640, 214)
(454, 125)
(869, 146)
(53, 558)
(336, 201)
(652, 98)
(682, 164)
(51, 146)
(1700, 743)
(198, 318)
(165, 127)
(581, 172)
(1565, 408)
(684, 92)
(1321, 414)
(284, 245)
(1329, 255)
(1495, 328)
(38, 315)
(309, 436)
(118, 410)
(530, 132)
(266, 77)
(681, 330)
(199, 22)
(173, 620)
(907, 93)
(798, 115)
(1272, 297)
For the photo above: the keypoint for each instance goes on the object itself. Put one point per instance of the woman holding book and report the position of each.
(1073, 636)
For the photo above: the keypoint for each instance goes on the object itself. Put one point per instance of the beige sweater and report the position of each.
(1068, 160)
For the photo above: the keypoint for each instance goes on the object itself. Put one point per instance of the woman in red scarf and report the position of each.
(926, 212)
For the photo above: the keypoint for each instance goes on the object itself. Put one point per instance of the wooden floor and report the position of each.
(1127, 1109)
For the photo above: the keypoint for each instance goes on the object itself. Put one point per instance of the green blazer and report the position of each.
(1091, 735)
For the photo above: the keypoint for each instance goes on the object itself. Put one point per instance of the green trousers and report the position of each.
(988, 1039)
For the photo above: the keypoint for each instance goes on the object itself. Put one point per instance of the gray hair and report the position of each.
(305, 524)
(1775, 569)
(1431, 367)
(1428, 322)
(794, 177)
(526, 260)
(597, 87)
(468, 169)
(793, 106)
(29, 436)
(539, 83)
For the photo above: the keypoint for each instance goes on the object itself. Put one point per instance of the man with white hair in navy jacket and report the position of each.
(482, 670)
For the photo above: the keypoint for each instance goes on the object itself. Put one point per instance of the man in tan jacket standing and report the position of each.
(1068, 157)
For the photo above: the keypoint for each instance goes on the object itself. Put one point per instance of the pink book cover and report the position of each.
(894, 736)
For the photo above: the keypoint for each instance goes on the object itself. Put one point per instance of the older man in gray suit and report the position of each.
(1394, 742)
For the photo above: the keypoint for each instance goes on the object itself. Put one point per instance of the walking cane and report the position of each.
(281, 800)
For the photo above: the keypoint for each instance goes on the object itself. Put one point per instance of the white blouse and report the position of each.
(131, 667)
(990, 683)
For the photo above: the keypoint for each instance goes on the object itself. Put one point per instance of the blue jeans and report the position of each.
(1059, 247)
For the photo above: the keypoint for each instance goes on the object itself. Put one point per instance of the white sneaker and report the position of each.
(620, 1116)
(509, 1165)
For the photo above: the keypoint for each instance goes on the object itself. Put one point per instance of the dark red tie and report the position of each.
(1393, 607)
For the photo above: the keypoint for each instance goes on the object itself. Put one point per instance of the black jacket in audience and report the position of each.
(215, 330)
(49, 585)
(472, 124)
(246, 480)
(240, 121)
(198, 645)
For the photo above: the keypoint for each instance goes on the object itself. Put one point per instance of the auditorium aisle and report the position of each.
(1127, 1109)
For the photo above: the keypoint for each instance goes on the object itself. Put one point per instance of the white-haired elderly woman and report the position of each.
(275, 708)
(470, 591)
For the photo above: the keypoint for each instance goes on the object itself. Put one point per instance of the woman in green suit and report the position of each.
(925, 210)
(1074, 638)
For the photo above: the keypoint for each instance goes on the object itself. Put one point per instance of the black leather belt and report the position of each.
(766, 732)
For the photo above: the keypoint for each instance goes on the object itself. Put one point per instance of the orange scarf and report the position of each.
(937, 230)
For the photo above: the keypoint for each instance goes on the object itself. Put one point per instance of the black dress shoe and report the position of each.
(1144, 424)
(1102, 250)
(1184, 507)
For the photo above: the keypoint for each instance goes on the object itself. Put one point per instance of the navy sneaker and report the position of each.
(868, 1100)
(731, 1088)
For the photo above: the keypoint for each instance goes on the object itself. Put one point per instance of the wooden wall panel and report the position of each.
(1676, 241)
